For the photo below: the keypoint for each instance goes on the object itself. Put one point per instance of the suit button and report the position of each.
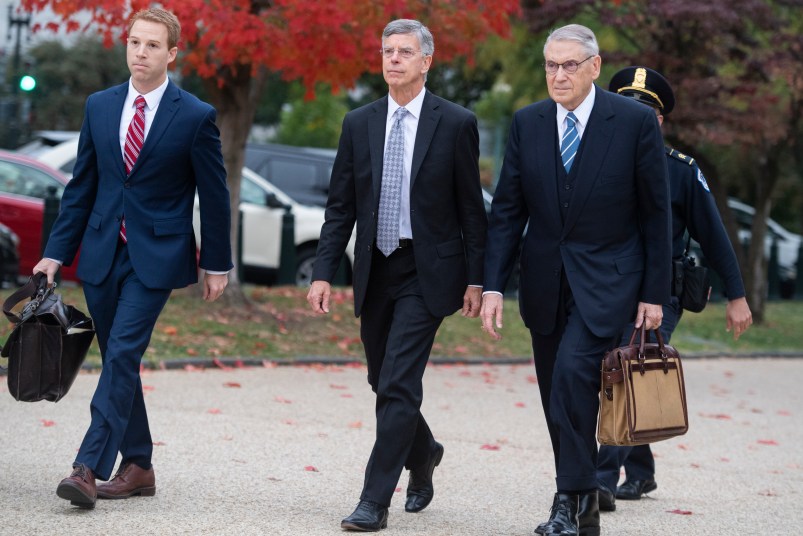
(567, 187)
(127, 185)
(562, 242)
(565, 205)
(556, 272)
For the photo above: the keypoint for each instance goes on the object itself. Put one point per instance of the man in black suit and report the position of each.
(407, 173)
(585, 168)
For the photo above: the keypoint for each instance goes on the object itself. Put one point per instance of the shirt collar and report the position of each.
(152, 98)
(413, 107)
(582, 112)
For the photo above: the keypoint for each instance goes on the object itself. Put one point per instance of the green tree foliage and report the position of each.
(312, 123)
(66, 75)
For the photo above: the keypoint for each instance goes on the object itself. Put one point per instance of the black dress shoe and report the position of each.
(563, 517)
(632, 490)
(588, 514)
(367, 517)
(607, 500)
(419, 487)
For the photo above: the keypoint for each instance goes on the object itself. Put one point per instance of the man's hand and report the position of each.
(48, 267)
(650, 314)
(214, 284)
(318, 296)
(472, 300)
(491, 314)
(738, 317)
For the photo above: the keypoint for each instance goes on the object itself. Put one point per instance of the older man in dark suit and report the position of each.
(145, 147)
(585, 168)
(407, 173)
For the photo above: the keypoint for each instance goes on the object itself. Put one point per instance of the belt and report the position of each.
(405, 243)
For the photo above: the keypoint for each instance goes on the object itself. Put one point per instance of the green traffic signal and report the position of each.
(27, 83)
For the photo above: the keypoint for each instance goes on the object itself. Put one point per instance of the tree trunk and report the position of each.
(757, 280)
(235, 101)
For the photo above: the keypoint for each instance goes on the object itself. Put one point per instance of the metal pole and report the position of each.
(14, 123)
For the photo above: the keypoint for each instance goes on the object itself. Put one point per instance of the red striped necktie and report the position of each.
(134, 139)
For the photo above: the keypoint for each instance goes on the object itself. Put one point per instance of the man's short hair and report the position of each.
(160, 16)
(409, 26)
(578, 33)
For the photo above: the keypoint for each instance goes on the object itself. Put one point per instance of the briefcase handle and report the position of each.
(641, 332)
(35, 290)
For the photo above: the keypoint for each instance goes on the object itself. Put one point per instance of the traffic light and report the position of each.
(27, 82)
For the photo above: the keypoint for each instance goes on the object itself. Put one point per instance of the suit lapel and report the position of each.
(113, 125)
(427, 124)
(596, 140)
(167, 109)
(543, 145)
(376, 141)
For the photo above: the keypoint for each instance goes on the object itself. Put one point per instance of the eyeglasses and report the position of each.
(406, 53)
(569, 67)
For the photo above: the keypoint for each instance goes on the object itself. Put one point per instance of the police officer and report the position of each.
(693, 209)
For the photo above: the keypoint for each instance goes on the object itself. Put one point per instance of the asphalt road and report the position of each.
(281, 451)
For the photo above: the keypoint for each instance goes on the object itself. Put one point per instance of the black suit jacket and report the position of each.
(615, 242)
(446, 207)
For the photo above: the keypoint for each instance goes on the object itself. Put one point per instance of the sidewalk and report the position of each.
(281, 451)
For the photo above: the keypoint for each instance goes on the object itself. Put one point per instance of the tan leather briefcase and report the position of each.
(642, 397)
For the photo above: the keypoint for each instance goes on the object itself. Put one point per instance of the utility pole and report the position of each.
(17, 23)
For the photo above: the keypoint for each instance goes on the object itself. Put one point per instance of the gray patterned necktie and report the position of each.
(570, 142)
(387, 231)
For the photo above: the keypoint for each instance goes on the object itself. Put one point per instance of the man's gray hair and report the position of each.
(578, 33)
(409, 26)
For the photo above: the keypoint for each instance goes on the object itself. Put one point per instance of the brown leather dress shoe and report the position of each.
(79, 488)
(130, 480)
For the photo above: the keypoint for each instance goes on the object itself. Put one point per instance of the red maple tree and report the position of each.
(233, 44)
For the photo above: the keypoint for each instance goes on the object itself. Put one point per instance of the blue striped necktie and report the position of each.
(570, 142)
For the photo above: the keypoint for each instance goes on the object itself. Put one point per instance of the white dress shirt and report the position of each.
(410, 127)
(582, 113)
(152, 101)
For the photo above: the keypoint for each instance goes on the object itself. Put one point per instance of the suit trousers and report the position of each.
(124, 312)
(638, 461)
(397, 331)
(567, 365)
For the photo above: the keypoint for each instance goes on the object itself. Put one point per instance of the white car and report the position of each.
(788, 243)
(262, 206)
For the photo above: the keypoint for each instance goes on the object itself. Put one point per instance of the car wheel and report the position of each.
(305, 260)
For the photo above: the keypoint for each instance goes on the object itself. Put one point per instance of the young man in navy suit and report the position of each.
(585, 169)
(407, 174)
(144, 149)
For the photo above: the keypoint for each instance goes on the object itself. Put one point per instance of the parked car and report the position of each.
(788, 244)
(262, 205)
(9, 256)
(24, 184)
(301, 172)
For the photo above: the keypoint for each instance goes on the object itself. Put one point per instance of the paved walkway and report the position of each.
(281, 451)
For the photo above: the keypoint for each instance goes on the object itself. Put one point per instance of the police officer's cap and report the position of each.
(644, 85)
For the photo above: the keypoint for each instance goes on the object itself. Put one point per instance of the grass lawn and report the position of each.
(278, 325)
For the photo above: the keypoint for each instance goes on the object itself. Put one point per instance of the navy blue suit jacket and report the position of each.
(615, 242)
(181, 153)
(447, 212)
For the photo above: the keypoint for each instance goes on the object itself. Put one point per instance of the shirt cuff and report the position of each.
(493, 292)
(56, 261)
(215, 272)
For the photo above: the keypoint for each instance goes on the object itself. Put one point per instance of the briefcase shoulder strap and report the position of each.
(27, 292)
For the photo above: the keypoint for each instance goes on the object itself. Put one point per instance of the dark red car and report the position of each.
(24, 184)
